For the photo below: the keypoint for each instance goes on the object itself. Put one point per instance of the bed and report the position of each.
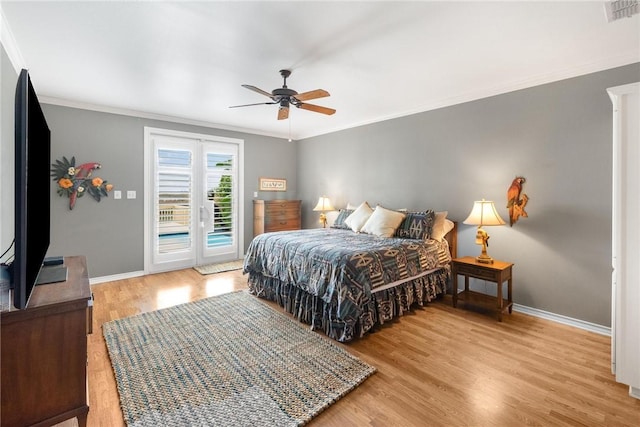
(345, 282)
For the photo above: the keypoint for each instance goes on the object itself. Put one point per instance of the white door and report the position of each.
(192, 199)
(219, 208)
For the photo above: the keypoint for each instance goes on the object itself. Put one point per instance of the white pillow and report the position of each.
(356, 220)
(448, 226)
(351, 207)
(440, 226)
(383, 222)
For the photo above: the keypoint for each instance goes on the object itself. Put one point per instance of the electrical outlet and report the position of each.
(131, 194)
(117, 194)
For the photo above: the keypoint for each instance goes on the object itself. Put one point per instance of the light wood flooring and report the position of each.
(437, 366)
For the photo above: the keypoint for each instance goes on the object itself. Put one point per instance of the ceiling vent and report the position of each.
(619, 9)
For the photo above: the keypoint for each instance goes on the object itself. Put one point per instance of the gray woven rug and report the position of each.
(219, 268)
(229, 360)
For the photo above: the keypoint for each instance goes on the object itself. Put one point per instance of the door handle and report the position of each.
(204, 214)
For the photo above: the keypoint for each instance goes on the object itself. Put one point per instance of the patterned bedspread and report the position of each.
(340, 267)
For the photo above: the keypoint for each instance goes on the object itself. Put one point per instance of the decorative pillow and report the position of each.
(416, 225)
(440, 226)
(351, 207)
(448, 226)
(339, 222)
(383, 222)
(356, 220)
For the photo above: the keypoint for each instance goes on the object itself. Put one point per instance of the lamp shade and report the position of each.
(484, 213)
(324, 204)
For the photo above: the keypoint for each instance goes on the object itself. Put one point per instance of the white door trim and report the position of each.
(149, 133)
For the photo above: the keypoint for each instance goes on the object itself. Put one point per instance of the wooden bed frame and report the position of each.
(452, 238)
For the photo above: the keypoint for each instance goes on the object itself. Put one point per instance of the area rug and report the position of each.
(219, 268)
(229, 360)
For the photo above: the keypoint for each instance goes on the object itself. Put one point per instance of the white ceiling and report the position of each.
(379, 60)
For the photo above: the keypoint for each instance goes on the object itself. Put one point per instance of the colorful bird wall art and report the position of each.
(74, 181)
(516, 200)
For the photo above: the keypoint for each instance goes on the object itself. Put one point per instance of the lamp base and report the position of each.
(484, 259)
(323, 220)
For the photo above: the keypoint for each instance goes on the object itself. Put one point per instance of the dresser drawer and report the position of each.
(286, 212)
(275, 205)
(281, 225)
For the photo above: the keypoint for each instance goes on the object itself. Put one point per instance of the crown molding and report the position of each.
(9, 44)
(621, 60)
(151, 116)
(541, 79)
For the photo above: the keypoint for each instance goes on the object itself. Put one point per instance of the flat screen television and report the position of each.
(32, 190)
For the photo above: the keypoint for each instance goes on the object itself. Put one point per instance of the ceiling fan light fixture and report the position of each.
(285, 97)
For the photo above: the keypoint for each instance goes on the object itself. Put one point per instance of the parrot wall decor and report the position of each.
(74, 181)
(516, 200)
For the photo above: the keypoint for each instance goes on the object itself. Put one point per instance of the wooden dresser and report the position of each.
(44, 353)
(276, 215)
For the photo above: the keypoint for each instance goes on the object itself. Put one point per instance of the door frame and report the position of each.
(149, 133)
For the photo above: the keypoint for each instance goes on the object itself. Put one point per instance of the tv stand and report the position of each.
(44, 353)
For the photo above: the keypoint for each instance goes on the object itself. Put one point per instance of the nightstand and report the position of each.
(498, 272)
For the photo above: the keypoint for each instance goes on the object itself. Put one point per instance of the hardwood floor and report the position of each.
(437, 366)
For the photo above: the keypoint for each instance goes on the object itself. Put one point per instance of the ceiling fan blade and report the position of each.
(283, 113)
(316, 108)
(260, 91)
(312, 94)
(249, 105)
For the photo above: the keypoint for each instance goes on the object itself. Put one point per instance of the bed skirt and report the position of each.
(374, 309)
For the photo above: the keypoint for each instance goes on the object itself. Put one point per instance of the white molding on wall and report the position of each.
(10, 45)
(565, 320)
(558, 318)
(151, 116)
(621, 60)
(114, 277)
(576, 71)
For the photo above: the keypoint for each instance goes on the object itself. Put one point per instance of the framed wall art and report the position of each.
(273, 184)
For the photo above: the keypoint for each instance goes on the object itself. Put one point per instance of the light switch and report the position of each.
(255, 194)
(117, 194)
(131, 194)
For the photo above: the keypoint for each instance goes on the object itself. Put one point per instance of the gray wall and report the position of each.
(8, 81)
(110, 233)
(556, 135)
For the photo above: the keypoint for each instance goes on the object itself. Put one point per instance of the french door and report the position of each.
(193, 191)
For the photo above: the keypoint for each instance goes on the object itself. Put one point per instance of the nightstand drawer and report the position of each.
(477, 272)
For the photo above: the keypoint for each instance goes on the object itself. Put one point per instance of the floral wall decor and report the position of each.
(74, 181)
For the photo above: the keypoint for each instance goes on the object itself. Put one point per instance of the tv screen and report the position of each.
(32, 190)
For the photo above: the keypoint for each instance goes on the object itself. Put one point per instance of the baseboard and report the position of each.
(565, 320)
(122, 276)
(634, 392)
(559, 318)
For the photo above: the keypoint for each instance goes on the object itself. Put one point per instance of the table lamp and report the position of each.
(483, 213)
(324, 204)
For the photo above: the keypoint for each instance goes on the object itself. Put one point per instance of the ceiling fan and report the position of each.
(286, 97)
